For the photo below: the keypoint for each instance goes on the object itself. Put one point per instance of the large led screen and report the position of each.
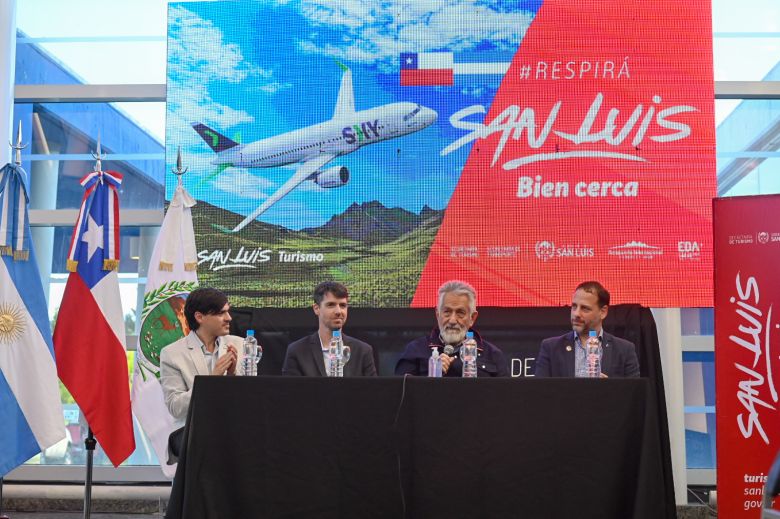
(521, 146)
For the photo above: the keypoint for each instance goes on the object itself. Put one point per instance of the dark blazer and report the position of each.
(304, 358)
(414, 360)
(556, 357)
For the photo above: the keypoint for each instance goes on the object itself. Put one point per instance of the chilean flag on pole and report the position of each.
(427, 69)
(89, 337)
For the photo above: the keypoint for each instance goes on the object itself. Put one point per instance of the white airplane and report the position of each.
(316, 145)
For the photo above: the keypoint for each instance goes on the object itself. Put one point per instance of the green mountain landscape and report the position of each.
(378, 252)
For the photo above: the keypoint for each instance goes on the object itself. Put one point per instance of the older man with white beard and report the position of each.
(456, 313)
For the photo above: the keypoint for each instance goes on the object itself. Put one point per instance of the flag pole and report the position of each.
(17, 148)
(179, 171)
(89, 443)
(2, 515)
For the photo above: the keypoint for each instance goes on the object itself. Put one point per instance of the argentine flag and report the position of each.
(30, 408)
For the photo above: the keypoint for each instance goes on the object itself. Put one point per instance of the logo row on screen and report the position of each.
(546, 250)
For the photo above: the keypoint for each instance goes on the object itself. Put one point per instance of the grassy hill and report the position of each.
(377, 252)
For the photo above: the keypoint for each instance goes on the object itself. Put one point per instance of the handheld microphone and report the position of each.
(449, 350)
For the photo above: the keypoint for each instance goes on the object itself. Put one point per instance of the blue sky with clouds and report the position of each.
(257, 69)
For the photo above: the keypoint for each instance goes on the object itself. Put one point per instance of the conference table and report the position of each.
(420, 448)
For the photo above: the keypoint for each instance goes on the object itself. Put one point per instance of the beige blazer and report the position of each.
(180, 362)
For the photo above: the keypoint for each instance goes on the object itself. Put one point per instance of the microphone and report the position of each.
(449, 350)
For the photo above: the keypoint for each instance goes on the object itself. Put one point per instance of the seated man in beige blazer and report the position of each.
(206, 350)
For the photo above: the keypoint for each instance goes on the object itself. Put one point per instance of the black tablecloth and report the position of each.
(421, 448)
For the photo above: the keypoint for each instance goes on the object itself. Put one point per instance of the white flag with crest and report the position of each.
(172, 275)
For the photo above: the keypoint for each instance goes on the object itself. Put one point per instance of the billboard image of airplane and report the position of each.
(315, 146)
(394, 145)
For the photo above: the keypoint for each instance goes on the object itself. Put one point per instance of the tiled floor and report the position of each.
(28, 501)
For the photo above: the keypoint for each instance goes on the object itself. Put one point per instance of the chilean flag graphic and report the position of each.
(89, 337)
(427, 69)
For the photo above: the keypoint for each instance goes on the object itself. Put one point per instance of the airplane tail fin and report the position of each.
(214, 139)
(345, 103)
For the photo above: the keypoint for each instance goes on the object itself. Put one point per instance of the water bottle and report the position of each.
(258, 355)
(339, 354)
(593, 352)
(335, 355)
(250, 352)
(434, 363)
(346, 353)
(468, 355)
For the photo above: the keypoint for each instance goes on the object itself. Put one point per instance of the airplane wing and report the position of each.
(303, 172)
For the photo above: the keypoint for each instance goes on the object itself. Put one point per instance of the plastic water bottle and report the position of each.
(258, 356)
(346, 353)
(335, 355)
(250, 352)
(434, 363)
(342, 353)
(468, 355)
(593, 351)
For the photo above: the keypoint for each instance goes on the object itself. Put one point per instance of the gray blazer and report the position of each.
(180, 362)
(304, 358)
(556, 357)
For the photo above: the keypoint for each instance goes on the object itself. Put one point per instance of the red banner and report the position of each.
(747, 354)
(595, 160)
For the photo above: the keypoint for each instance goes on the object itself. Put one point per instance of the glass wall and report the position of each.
(748, 140)
(63, 137)
(746, 39)
(95, 42)
(125, 45)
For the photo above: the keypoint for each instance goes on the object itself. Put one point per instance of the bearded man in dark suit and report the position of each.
(564, 356)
